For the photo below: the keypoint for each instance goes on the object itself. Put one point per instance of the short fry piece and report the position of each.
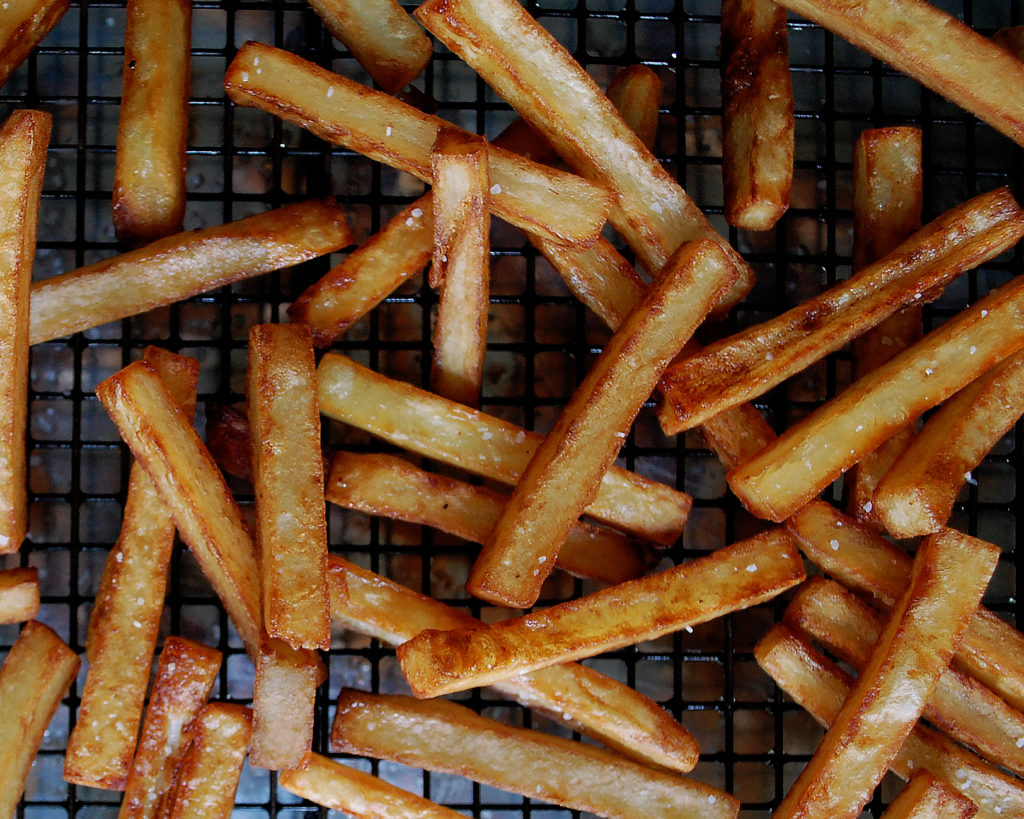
(19, 595)
(23, 26)
(927, 797)
(229, 440)
(451, 738)
(35, 676)
(635, 91)
(730, 579)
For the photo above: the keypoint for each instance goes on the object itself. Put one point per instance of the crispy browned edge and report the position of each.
(23, 28)
(19, 595)
(636, 91)
(928, 797)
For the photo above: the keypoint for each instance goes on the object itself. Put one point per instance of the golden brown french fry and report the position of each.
(538, 199)
(191, 486)
(821, 686)
(442, 736)
(917, 644)
(149, 170)
(442, 430)
(125, 619)
(24, 138)
(34, 678)
(19, 595)
(927, 797)
(23, 26)
(758, 125)
(635, 91)
(385, 40)
(917, 38)
(184, 265)
(394, 488)
(959, 705)
(749, 363)
(564, 474)
(534, 72)
(288, 477)
(356, 794)
(730, 579)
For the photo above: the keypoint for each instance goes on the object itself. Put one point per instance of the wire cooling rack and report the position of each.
(541, 342)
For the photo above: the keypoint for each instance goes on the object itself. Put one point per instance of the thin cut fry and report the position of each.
(425, 423)
(288, 477)
(23, 141)
(927, 797)
(393, 487)
(23, 26)
(19, 595)
(149, 170)
(184, 265)
(381, 35)
(635, 91)
(565, 472)
(758, 126)
(733, 578)
(34, 678)
(442, 736)
(749, 363)
(558, 205)
(580, 698)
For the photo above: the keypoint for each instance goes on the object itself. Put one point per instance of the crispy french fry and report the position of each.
(19, 595)
(229, 440)
(288, 473)
(635, 91)
(917, 38)
(758, 125)
(23, 26)
(34, 678)
(564, 474)
(751, 362)
(927, 797)
(558, 205)
(821, 686)
(425, 423)
(23, 141)
(125, 619)
(733, 578)
(149, 170)
(385, 40)
(442, 736)
(184, 265)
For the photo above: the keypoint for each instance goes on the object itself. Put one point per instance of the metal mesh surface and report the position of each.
(541, 342)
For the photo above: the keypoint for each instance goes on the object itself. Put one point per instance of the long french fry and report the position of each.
(19, 595)
(442, 736)
(34, 678)
(184, 265)
(751, 362)
(23, 26)
(636, 91)
(23, 141)
(425, 423)
(733, 578)
(927, 797)
(564, 474)
(558, 205)
(579, 697)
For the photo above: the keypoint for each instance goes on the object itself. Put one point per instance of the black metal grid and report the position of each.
(541, 342)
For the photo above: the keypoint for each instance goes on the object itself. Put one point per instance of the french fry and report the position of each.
(555, 204)
(394, 488)
(1012, 39)
(125, 619)
(184, 678)
(916, 495)
(288, 473)
(34, 678)
(635, 91)
(529, 68)
(356, 794)
(19, 595)
(814, 452)
(24, 138)
(749, 363)
(229, 440)
(442, 736)
(23, 26)
(730, 579)
(916, 37)
(564, 474)
(149, 169)
(821, 686)
(442, 430)
(385, 40)
(758, 126)
(959, 705)
(918, 642)
(927, 797)
(182, 266)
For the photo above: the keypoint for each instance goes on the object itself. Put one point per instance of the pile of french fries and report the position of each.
(865, 598)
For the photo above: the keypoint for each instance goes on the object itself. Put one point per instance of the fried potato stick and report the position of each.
(440, 735)
(730, 579)
(23, 26)
(927, 797)
(636, 91)
(19, 595)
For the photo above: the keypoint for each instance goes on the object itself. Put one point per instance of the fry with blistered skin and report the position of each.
(927, 797)
(23, 26)
(635, 91)
(441, 736)
(19, 595)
